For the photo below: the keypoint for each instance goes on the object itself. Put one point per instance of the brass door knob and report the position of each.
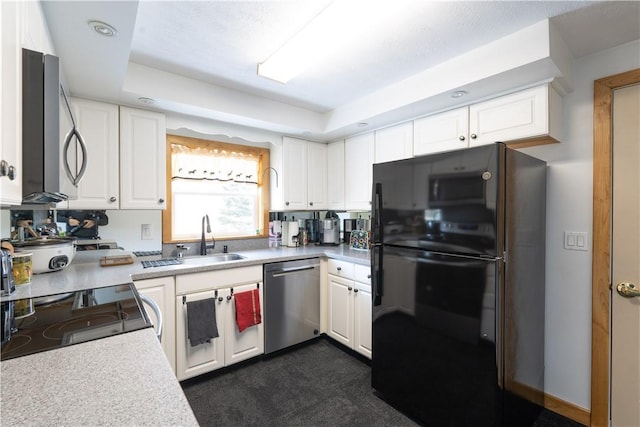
(628, 290)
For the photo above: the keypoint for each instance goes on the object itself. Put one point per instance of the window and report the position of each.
(223, 181)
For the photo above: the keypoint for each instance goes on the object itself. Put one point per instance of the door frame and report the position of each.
(601, 262)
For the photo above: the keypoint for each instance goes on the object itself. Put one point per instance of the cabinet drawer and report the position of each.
(195, 282)
(341, 268)
(362, 273)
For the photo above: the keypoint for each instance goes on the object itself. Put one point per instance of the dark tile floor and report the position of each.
(314, 385)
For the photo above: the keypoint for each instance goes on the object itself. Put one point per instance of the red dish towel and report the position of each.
(247, 309)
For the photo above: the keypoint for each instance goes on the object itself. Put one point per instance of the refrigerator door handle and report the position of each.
(377, 207)
(376, 275)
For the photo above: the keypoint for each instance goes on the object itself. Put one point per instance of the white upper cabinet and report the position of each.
(317, 179)
(335, 175)
(302, 170)
(529, 117)
(394, 143)
(126, 157)
(441, 132)
(358, 174)
(294, 173)
(97, 122)
(11, 105)
(532, 114)
(142, 159)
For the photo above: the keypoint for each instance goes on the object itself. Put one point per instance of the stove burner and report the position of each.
(16, 343)
(83, 316)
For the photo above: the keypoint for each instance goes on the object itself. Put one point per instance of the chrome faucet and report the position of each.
(203, 242)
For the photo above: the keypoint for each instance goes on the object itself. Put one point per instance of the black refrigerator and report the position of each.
(458, 278)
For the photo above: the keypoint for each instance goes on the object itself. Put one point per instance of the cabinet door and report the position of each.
(441, 132)
(317, 196)
(358, 154)
(98, 125)
(11, 97)
(162, 291)
(519, 115)
(394, 143)
(294, 173)
(142, 159)
(196, 360)
(362, 319)
(248, 343)
(340, 321)
(335, 175)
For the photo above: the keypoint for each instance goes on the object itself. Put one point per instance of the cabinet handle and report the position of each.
(160, 200)
(368, 276)
(11, 174)
(229, 297)
(220, 299)
(339, 268)
(474, 136)
(286, 203)
(355, 290)
(461, 138)
(112, 199)
(350, 288)
(310, 203)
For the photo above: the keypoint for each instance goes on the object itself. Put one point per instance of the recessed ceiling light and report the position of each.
(458, 94)
(103, 28)
(363, 124)
(146, 100)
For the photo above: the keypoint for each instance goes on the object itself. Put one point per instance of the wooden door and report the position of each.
(602, 237)
(625, 259)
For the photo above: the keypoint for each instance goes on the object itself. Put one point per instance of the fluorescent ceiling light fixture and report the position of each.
(335, 28)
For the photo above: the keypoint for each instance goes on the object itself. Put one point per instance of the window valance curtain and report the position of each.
(213, 164)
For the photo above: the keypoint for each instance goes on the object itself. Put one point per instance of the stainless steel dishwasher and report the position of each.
(291, 303)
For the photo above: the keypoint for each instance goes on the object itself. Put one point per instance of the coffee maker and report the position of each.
(330, 231)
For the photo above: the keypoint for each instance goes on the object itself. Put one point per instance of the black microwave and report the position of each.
(468, 188)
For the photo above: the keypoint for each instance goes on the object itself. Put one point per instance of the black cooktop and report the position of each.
(76, 317)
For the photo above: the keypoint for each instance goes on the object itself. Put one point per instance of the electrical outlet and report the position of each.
(576, 240)
(146, 232)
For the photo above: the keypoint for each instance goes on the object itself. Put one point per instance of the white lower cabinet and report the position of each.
(231, 346)
(162, 291)
(349, 305)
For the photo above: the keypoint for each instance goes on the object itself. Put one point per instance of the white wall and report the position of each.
(569, 208)
(125, 228)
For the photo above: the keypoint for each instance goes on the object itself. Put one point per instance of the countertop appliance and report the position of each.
(48, 254)
(291, 303)
(458, 290)
(67, 319)
(329, 231)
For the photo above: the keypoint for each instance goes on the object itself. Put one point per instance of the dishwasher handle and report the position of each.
(285, 271)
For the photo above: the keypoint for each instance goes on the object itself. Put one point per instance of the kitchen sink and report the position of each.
(211, 259)
(223, 257)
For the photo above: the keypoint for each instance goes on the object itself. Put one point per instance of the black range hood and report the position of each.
(40, 128)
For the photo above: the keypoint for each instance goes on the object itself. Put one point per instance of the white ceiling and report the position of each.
(217, 45)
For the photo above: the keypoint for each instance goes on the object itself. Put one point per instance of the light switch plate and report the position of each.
(146, 232)
(576, 240)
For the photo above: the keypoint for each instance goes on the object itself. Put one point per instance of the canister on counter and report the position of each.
(22, 268)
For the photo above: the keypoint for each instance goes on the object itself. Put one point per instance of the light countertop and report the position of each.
(85, 272)
(122, 380)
